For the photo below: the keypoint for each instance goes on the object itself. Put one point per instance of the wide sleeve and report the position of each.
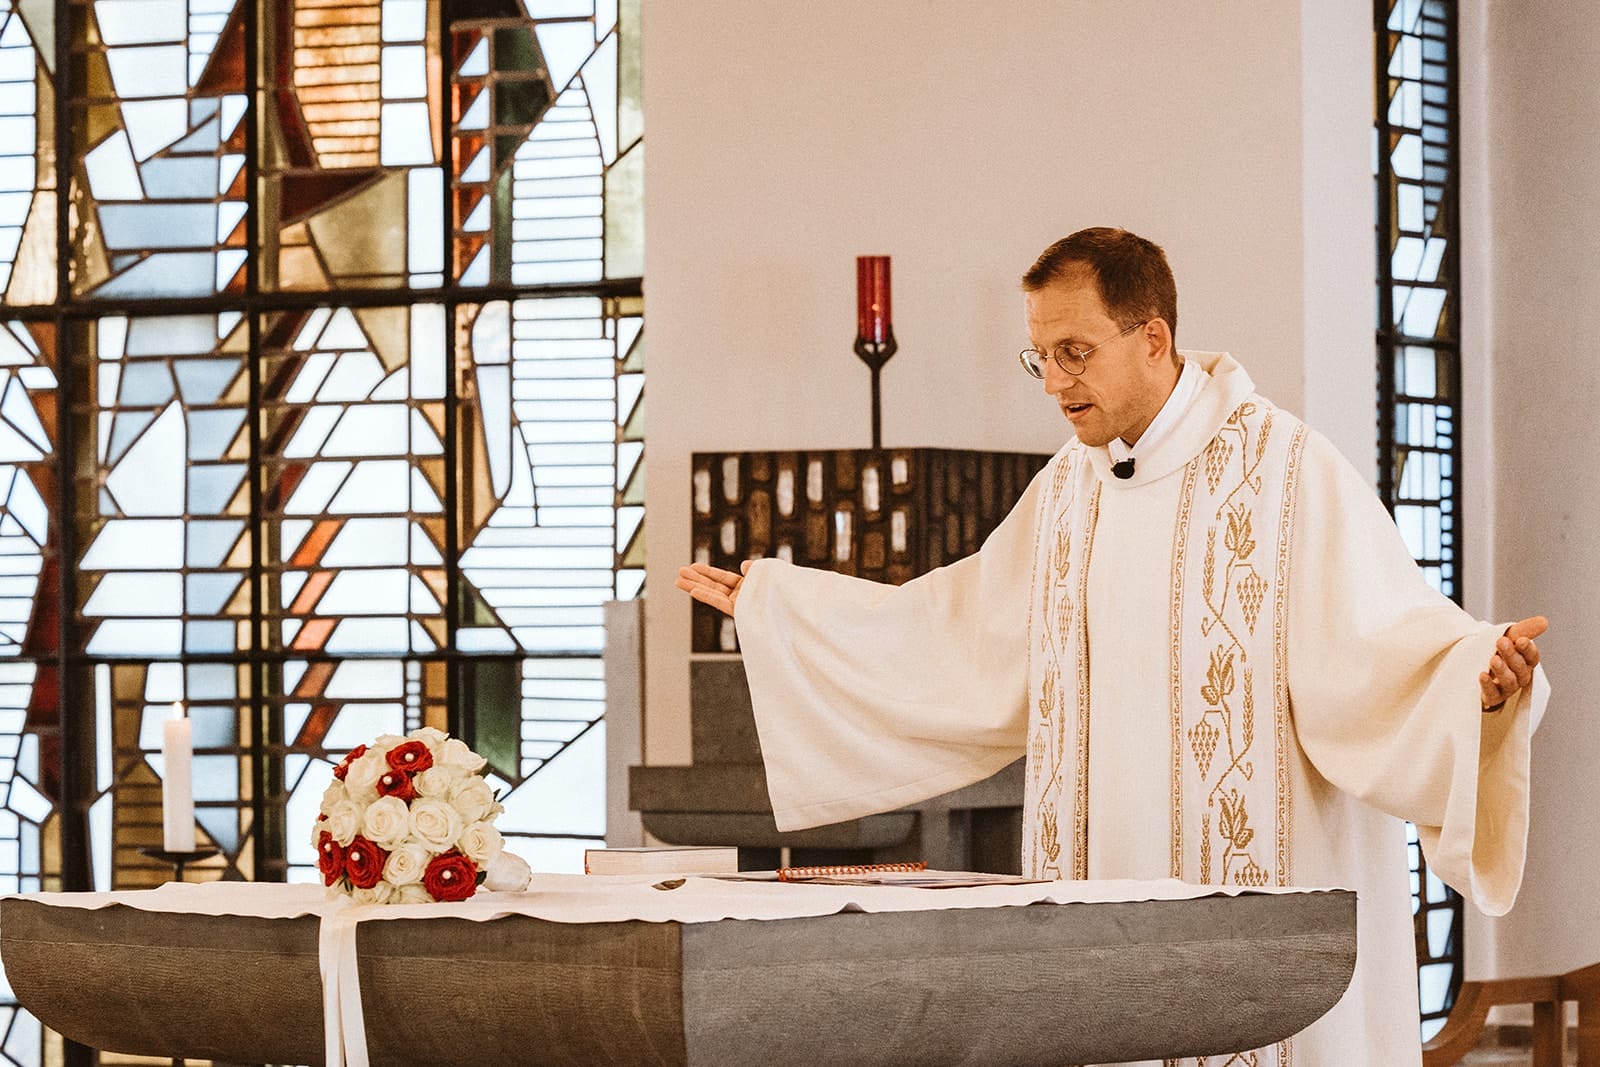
(869, 697)
(1383, 679)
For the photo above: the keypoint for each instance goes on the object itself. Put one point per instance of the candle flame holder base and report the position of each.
(875, 354)
(179, 860)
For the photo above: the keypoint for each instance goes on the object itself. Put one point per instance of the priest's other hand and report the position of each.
(715, 586)
(1511, 666)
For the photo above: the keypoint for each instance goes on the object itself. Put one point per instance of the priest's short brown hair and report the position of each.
(1131, 272)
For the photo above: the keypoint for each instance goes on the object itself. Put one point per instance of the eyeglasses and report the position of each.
(1072, 360)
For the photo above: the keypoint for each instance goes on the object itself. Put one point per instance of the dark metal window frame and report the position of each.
(1441, 16)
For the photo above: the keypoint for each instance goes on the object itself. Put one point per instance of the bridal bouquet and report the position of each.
(408, 820)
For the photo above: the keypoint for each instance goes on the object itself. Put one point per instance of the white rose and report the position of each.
(378, 894)
(436, 824)
(361, 780)
(344, 821)
(472, 798)
(480, 843)
(413, 893)
(430, 737)
(387, 741)
(436, 781)
(387, 822)
(333, 795)
(458, 756)
(406, 865)
(509, 873)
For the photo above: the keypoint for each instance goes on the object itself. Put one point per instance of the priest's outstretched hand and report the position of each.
(720, 588)
(1511, 666)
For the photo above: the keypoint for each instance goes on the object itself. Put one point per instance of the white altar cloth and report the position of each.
(592, 899)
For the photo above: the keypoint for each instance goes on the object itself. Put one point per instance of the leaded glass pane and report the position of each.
(1419, 364)
(546, 531)
(536, 120)
(160, 140)
(166, 555)
(30, 576)
(353, 480)
(30, 733)
(27, 177)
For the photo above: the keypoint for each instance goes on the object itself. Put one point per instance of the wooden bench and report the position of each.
(1548, 995)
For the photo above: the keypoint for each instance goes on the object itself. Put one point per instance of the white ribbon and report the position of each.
(344, 1026)
(344, 1029)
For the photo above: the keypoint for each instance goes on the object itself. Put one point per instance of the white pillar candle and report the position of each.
(177, 784)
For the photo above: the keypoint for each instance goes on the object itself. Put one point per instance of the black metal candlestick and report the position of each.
(179, 860)
(875, 354)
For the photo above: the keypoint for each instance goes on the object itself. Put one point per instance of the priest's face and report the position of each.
(1126, 378)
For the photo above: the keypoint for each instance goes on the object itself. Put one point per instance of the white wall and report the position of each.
(1544, 169)
(1341, 371)
(787, 139)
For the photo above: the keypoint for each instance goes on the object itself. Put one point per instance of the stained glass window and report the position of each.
(1419, 367)
(336, 426)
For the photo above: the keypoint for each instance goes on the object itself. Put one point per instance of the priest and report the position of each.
(1205, 634)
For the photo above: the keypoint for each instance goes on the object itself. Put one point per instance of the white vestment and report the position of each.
(1225, 669)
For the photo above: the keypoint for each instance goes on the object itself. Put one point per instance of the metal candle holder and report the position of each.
(875, 354)
(179, 860)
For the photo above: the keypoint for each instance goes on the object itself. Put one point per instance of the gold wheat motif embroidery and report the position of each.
(1232, 592)
(1231, 769)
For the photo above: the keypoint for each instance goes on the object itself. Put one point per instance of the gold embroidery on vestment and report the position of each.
(1080, 846)
(1282, 711)
(1242, 577)
(1222, 738)
(1180, 544)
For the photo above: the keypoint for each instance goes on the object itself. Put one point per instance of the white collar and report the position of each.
(1190, 381)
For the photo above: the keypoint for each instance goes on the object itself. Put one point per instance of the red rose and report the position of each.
(344, 766)
(397, 784)
(363, 863)
(411, 757)
(450, 876)
(330, 858)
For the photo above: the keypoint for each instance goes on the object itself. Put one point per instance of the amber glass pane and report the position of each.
(353, 196)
